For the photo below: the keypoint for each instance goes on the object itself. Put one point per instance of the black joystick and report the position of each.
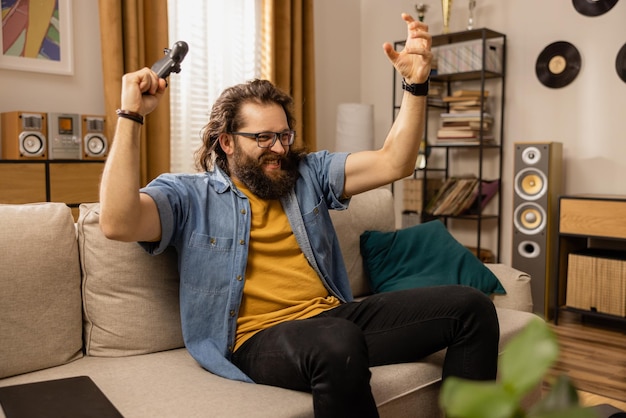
(170, 63)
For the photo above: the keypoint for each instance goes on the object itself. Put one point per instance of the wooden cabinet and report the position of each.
(22, 183)
(68, 181)
(591, 277)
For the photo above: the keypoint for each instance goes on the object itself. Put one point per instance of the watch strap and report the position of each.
(416, 89)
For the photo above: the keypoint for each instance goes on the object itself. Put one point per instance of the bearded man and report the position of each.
(264, 292)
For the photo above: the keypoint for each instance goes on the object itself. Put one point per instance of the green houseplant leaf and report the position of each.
(522, 366)
(464, 398)
(527, 357)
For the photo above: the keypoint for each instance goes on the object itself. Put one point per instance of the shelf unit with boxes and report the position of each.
(468, 75)
(54, 157)
(591, 274)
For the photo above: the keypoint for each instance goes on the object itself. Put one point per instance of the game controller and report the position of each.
(170, 63)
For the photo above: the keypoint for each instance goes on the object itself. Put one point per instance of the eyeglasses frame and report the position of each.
(255, 135)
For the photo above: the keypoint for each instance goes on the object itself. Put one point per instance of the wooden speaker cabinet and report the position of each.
(592, 249)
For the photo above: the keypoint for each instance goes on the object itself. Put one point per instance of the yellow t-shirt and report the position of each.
(280, 285)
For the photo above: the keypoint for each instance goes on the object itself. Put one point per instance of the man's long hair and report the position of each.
(225, 117)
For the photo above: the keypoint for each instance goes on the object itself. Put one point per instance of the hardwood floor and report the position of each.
(593, 355)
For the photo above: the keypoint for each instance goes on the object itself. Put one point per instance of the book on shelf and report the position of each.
(465, 109)
(456, 198)
(462, 101)
(468, 116)
(459, 196)
(445, 133)
(486, 140)
(466, 92)
(451, 196)
(488, 189)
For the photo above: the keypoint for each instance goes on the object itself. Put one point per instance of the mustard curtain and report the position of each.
(288, 59)
(133, 34)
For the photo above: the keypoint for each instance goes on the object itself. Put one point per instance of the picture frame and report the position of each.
(55, 40)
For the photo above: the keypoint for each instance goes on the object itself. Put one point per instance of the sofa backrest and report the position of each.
(129, 299)
(40, 301)
(372, 210)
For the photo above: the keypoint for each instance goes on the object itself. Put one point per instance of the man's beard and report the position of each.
(250, 172)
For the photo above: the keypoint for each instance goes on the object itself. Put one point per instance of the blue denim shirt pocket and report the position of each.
(314, 221)
(215, 255)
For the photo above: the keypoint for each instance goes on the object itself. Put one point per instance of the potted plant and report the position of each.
(522, 366)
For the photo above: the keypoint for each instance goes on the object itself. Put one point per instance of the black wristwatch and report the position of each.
(416, 89)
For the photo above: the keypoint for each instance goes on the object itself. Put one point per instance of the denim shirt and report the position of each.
(207, 220)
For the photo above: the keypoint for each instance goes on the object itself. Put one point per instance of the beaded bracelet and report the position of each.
(127, 114)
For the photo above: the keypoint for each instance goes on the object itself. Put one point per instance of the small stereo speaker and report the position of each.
(24, 135)
(537, 186)
(95, 142)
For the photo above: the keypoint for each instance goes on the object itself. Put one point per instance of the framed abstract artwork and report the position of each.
(36, 36)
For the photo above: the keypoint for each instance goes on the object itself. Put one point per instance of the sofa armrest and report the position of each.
(517, 285)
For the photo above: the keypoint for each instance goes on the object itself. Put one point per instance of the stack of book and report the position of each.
(467, 121)
(435, 93)
(460, 196)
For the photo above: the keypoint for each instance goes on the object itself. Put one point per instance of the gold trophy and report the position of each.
(446, 6)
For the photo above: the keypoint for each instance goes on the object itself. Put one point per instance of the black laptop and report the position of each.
(73, 397)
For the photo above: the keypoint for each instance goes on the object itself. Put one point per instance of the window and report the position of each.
(224, 39)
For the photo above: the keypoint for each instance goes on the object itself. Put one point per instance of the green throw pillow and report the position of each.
(421, 256)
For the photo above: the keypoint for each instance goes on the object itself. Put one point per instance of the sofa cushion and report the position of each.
(370, 210)
(130, 298)
(422, 255)
(40, 304)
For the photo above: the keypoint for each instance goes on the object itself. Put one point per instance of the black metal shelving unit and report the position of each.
(483, 76)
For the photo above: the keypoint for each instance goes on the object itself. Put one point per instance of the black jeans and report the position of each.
(329, 355)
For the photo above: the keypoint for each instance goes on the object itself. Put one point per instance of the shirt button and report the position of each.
(239, 278)
(232, 312)
(243, 211)
(230, 348)
(242, 241)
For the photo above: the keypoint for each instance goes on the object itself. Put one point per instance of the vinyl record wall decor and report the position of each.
(558, 64)
(593, 7)
(620, 63)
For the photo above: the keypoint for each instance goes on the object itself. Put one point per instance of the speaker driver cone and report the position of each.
(529, 218)
(95, 145)
(32, 144)
(531, 155)
(530, 184)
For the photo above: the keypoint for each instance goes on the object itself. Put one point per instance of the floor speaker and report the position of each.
(538, 182)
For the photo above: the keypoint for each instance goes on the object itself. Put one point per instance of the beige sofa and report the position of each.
(74, 303)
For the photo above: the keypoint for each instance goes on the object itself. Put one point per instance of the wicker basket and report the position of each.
(596, 281)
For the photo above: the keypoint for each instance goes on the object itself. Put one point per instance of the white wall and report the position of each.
(79, 93)
(586, 116)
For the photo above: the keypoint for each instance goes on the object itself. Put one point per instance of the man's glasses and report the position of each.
(268, 139)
